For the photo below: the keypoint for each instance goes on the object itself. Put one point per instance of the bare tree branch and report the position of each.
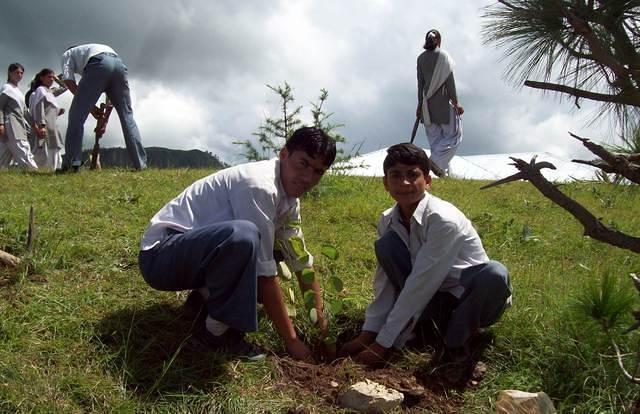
(593, 227)
(613, 163)
(601, 97)
(626, 373)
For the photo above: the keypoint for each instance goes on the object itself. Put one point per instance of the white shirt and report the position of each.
(442, 243)
(252, 192)
(75, 59)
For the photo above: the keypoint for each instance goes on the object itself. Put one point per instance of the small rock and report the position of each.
(334, 384)
(520, 402)
(370, 397)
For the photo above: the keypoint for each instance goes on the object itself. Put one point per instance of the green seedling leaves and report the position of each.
(308, 276)
(283, 270)
(329, 251)
(313, 315)
(297, 245)
(294, 224)
(329, 340)
(309, 298)
(336, 284)
(336, 306)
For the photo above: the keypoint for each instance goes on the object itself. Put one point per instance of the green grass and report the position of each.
(80, 331)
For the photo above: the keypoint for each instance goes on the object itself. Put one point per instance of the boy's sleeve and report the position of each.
(433, 262)
(384, 297)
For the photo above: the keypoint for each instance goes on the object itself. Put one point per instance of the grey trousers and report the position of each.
(486, 285)
(104, 73)
(221, 257)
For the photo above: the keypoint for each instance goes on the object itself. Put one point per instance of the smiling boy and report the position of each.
(432, 269)
(218, 239)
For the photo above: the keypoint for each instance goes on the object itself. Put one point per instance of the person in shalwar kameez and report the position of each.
(14, 124)
(438, 106)
(44, 109)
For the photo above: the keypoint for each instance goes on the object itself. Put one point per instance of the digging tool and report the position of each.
(436, 170)
(101, 126)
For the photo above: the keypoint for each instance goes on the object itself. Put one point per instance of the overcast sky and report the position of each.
(198, 69)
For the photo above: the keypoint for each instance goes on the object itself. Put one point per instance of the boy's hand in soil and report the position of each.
(357, 345)
(298, 350)
(374, 356)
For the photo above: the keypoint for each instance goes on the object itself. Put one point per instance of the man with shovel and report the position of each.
(438, 106)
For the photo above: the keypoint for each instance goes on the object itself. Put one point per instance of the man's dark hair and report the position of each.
(407, 154)
(432, 39)
(315, 142)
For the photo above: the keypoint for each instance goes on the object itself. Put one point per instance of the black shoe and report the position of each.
(68, 169)
(455, 365)
(194, 308)
(231, 343)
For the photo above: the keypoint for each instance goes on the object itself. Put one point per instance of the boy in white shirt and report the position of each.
(432, 270)
(218, 239)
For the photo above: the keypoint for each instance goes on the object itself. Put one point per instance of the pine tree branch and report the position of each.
(580, 93)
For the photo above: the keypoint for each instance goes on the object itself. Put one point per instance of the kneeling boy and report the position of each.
(432, 269)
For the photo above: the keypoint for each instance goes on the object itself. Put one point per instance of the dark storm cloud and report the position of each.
(199, 68)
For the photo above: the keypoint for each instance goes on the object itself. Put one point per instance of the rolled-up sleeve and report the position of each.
(68, 67)
(432, 264)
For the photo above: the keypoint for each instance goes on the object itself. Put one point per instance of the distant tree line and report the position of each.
(158, 157)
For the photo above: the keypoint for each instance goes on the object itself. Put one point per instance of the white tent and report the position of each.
(483, 167)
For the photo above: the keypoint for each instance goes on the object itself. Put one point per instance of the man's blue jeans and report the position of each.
(486, 286)
(104, 73)
(220, 256)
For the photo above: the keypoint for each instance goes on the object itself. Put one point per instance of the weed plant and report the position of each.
(81, 331)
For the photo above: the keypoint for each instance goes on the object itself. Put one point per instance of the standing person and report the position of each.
(45, 110)
(219, 238)
(102, 70)
(14, 124)
(438, 106)
(433, 274)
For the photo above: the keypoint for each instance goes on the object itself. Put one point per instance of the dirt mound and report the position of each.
(422, 392)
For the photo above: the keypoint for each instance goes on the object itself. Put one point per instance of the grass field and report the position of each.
(80, 331)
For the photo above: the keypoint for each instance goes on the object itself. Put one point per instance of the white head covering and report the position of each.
(42, 92)
(13, 92)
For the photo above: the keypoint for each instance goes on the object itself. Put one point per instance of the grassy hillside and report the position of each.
(80, 330)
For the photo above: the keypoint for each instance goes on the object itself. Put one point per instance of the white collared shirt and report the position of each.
(75, 59)
(252, 192)
(442, 243)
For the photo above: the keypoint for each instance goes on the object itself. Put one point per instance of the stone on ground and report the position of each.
(370, 397)
(520, 402)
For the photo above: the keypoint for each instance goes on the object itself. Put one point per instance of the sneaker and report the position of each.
(231, 343)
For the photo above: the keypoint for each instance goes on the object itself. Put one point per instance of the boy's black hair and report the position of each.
(407, 154)
(315, 142)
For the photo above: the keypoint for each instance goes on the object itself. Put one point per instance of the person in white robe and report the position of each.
(438, 106)
(14, 123)
(45, 110)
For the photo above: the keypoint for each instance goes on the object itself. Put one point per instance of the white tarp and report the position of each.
(483, 167)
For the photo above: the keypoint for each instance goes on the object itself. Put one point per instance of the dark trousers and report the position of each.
(220, 256)
(486, 289)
